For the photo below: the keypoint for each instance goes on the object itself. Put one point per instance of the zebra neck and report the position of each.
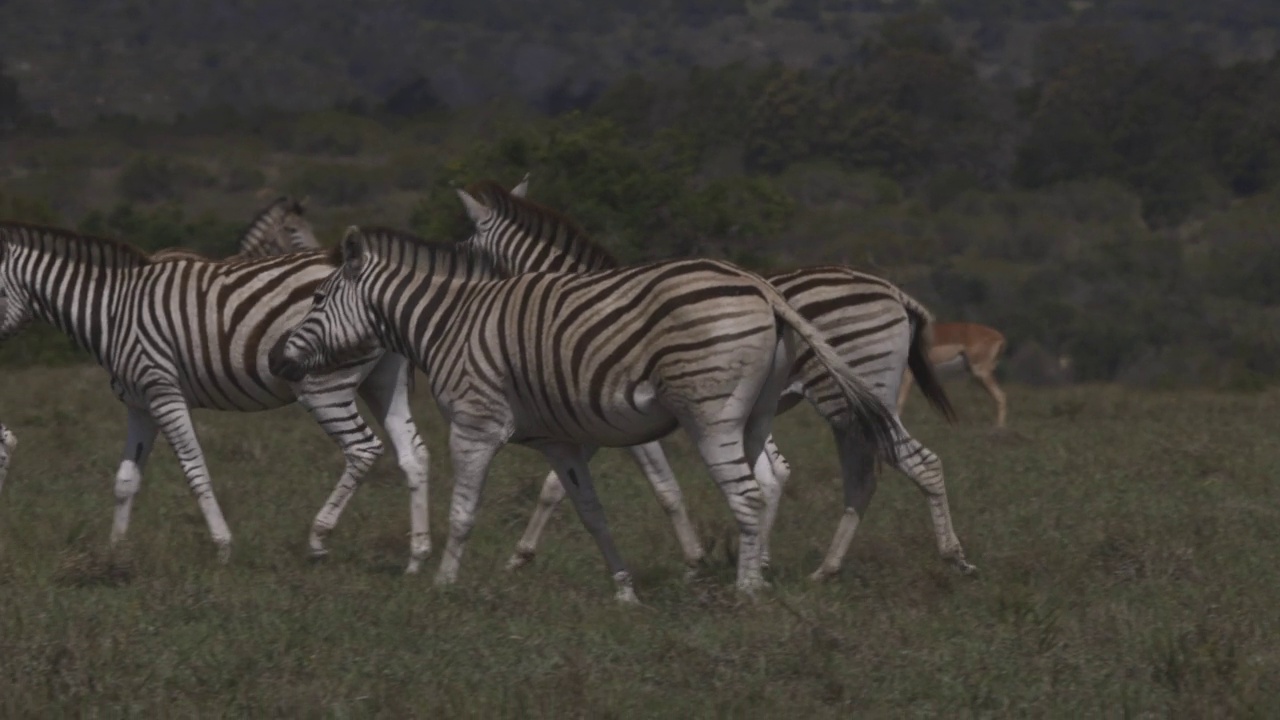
(80, 303)
(417, 325)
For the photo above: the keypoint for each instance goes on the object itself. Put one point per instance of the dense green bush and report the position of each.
(149, 178)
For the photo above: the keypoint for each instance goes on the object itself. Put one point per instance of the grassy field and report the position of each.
(1126, 545)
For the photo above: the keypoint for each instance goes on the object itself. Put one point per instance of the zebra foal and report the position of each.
(182, 333)
(876, 328)
(569, 363)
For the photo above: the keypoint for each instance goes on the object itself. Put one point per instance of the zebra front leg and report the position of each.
(137, 448)
(527, 548)
(171, 412)
(570, 462)
(471, 454)
(386, 390)
(857, 467)
(340, 419)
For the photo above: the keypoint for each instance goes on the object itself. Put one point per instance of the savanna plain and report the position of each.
(1126, 544)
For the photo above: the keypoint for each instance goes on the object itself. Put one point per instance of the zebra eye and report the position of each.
(319, 298)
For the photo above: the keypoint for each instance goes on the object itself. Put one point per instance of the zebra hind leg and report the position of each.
(857, 468)
(780, 470)
(570, 462)
(386, 390)
(141, 438)
(725, 457)
(340, 419)
(548, 499)
(925, 469)
(662, 479)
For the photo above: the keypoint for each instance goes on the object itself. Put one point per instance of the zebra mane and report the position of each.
(542, 223)
(77, 247)
(429, 257)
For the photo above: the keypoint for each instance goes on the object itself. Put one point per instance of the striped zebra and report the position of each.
(8, 441)
(277, 229)
(567, 363)
(184, 333)
(878, 329)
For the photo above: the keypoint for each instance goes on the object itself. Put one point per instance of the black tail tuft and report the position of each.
(922, 369)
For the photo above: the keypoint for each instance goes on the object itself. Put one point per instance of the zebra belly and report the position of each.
(620, 422)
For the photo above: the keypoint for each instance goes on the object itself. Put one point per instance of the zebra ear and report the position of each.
(475, 209)
(352, 252)
(522, 188)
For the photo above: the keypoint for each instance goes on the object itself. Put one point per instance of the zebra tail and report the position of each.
(875, 422)
(918, 359)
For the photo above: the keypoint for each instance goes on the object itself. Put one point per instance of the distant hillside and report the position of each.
(76, 59)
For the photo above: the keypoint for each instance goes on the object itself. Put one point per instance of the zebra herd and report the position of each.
(528, 332)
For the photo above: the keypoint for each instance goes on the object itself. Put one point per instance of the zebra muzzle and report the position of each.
(283, 366)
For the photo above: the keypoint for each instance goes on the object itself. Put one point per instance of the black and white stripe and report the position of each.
(277, 229)
(566, 363)
(876, 328)
(185, 333)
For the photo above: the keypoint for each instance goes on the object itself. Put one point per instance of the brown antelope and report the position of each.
(975, 347)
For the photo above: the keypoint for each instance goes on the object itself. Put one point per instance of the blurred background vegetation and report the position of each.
(1096, 179)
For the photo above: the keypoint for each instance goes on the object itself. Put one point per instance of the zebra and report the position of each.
(567, 363)
(182, 333)
(277, 229)
(8, 442)
(875, 326)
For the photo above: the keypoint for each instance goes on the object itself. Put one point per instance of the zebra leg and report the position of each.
(171, 412)
(725, 458)
(857, 466)
(653, 463)
(570, 462)
(780, 471)
(386, 390)
(471, 453)
(340, 418)
(550, 497)
(137, 448)
(758, 434)
(925, 469)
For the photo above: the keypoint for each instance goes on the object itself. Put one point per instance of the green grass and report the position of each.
(1126, 545)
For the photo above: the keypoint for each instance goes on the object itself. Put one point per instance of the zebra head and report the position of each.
(15, 301)
(338, 326)
(8, 441)
(294, 228)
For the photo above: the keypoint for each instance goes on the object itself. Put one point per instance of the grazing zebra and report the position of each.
(566, 363)
(277, 229)
(8, 441)
(875, 327)
(185, 333)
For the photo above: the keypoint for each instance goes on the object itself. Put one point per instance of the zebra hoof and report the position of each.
(822, 574)
(518, 560)
(224, 554)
